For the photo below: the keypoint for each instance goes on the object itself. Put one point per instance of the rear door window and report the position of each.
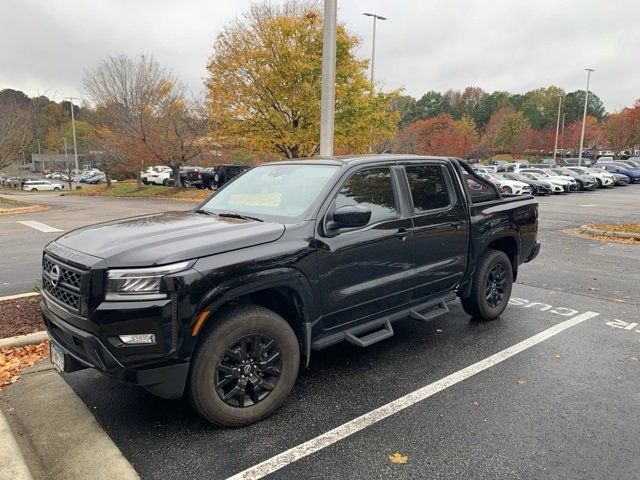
(428, 188)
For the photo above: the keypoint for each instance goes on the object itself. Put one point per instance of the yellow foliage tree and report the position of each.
(263, 87)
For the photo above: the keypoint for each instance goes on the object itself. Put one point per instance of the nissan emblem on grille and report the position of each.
(55, 275)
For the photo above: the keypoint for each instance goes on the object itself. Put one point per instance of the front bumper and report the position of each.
(82, 349)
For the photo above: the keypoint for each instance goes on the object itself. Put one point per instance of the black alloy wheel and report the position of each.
(248, 370)
(496, 285)
(244, 365)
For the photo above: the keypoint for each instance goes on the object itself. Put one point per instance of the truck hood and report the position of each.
(168, 237)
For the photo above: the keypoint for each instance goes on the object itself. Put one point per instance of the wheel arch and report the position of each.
(286, 292)
(509, 246)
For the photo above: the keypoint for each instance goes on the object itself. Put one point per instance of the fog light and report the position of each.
(140, 338)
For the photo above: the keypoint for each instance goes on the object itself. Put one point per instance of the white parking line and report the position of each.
(343, 431)
(39, 226)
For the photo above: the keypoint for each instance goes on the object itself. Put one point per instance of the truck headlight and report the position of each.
(140, 283)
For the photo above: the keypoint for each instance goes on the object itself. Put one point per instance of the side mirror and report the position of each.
(350, 216)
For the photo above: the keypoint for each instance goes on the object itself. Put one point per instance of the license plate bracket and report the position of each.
(57, 357)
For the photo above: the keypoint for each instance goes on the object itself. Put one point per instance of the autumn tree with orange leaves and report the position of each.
(440, 135)
(145, 112)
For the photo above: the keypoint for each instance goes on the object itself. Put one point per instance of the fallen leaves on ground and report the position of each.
(398, 458)
(557, 355)
(15, 359)
(439, 330)
(521, 381)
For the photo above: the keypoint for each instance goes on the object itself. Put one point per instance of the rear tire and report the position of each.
(34, 189)
(213, 185)
(56, 189)
(238, 337)
(491, 287)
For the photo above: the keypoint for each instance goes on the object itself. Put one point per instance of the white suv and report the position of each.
(41, 185)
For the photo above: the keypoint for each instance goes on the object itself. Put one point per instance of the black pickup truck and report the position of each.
(222, 302)
(214, 178)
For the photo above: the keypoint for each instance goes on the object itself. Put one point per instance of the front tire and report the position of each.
(244, 367)
(491, 287)
(213, 185)
(165, 182)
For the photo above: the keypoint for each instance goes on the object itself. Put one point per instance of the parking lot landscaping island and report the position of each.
(131, 189)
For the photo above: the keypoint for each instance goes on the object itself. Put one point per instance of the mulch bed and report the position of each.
(20, 316)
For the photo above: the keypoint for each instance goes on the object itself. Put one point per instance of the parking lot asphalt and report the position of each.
(21, 245)
(567, 407)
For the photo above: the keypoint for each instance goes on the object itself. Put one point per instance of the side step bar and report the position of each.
(379, 329)
(429, 314)
(385, 332)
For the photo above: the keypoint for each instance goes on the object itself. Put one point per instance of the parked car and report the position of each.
(635, 161)
(620, 168)
(508, 185)
(87, 174)
(153, 172)
(620, 179)
(286, 259)
(214, 178)
(184, 181)
(95, 178)
(538, 187)
(41, 185)
(603, 178)
(546, 161)
(586, 182)
(568, 183)
(556, 186)
(574, 162)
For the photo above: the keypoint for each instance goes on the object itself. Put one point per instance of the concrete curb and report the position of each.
(22, 340)
(19, 295)
(15, 211)
(13, 464)
(59, 435)
(588, 229)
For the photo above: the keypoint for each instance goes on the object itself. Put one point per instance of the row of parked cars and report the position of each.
(193, 177)
(523, 178)
(90, 176)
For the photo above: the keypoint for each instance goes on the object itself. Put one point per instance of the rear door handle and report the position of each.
(402, 234)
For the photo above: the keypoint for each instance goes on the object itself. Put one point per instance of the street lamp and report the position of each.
(373, 48)
(73, 129)
(328, 88)
(555, 146)
(584, 115)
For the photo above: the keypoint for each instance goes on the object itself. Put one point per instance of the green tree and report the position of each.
(540, 106)
(263, 87)
(511, 135)
(574, 106)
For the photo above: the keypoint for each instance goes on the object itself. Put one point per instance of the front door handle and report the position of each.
(402, 234)
(457, 224)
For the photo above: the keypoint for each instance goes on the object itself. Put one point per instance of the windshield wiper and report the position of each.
(237, 215)
(204, 212)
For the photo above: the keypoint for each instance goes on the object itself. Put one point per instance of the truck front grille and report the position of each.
(65, 284)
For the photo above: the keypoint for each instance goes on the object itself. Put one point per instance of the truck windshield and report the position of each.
(273, 190)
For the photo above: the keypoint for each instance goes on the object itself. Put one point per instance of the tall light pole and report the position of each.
(73, 129)
(555, 146)
(328, 92)
(376, 17)
(584, 115)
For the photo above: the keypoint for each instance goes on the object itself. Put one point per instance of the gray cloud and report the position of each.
(512, 45)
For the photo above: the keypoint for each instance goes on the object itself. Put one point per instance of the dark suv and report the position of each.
(223, 301)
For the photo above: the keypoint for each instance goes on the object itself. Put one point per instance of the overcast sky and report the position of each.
(513, 45)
